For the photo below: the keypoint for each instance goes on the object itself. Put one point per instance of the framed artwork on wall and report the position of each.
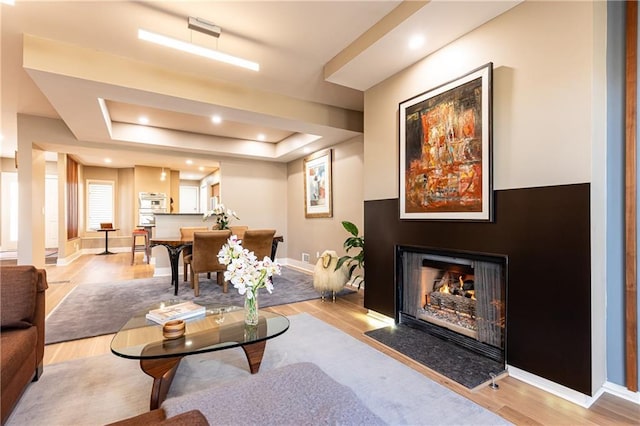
(446, 150)
(318, 184)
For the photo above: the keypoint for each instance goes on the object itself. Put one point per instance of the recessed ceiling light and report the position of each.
(260, 136)
(107, 160)
(9, 2)
(416, 41)
(216, 119)
(201, 168)
(143, 120)
(189, 162)
(306, 150)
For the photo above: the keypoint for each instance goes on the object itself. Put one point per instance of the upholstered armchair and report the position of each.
(259, 241)
(186, 233)
(22, 312)
(204, 257)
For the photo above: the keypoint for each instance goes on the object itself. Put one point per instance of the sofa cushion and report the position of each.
(293, 394)
(18, 286)
(17, 347)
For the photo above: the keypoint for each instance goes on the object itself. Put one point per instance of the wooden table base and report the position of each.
(254, 353)
(164, 369)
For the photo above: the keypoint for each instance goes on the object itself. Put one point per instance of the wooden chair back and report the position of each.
(259, 241)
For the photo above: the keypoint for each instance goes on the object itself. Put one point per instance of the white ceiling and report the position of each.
(316, 59)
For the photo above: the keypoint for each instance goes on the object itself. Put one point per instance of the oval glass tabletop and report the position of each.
(221, 327)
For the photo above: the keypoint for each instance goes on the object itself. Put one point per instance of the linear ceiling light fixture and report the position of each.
(203, 27)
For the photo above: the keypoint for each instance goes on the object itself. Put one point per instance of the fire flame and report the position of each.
(446, 289)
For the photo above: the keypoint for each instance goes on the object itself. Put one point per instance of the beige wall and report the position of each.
(257, 192)
(542, 53)
(147, 179)
(126, 206)
(316, 235)
(174, 193)
(7, 165)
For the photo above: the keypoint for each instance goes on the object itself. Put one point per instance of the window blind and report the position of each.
(99, 203)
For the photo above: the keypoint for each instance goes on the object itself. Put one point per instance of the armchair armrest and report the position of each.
(22, 300)
(39, 313)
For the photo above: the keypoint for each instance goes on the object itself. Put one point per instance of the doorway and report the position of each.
(189, 199)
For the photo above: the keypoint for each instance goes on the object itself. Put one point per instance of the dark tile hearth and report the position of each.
(457, 363)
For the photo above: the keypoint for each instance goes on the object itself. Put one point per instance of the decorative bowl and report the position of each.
(173, 329)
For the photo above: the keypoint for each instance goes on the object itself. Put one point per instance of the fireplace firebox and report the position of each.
(457, 296)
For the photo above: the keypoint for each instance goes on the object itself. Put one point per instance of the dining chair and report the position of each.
(259, 241)
(186, 233)
(204, 257)
(238, 230)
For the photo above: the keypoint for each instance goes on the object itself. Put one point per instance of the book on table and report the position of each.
(184, 310)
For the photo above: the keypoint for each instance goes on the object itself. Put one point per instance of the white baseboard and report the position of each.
(69, 259)
(621, 392)
(570, 394)
(552, 387)
(307, 267)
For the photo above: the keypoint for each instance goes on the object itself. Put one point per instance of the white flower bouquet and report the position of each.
(247, 274)
(223, 216)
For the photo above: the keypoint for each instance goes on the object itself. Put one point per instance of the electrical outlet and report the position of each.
(305, 257)
(317, 255)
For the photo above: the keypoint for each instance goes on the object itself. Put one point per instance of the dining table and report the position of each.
(176, 245)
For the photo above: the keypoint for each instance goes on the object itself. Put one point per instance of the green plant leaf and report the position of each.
(341, 261)
(350, 228)
(353, 267)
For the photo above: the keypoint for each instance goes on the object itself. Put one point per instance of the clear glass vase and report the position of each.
(251, 310)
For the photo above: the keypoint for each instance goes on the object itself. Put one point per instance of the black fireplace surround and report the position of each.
(544, 233)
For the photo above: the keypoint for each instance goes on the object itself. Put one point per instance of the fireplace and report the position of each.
(457, 296)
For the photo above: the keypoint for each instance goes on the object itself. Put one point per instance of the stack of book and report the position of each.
(182, 311)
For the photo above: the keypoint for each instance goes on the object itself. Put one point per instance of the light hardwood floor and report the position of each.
(516, 401)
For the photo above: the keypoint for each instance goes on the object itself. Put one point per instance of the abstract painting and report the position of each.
(446, 150)
(317, 184)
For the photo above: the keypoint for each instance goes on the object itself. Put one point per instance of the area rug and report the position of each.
(103, 308)
(103, 389)
(453, 361)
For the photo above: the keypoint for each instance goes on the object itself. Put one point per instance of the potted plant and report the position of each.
(357, 261)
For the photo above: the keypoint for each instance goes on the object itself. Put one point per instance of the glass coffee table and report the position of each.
(221, 327)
